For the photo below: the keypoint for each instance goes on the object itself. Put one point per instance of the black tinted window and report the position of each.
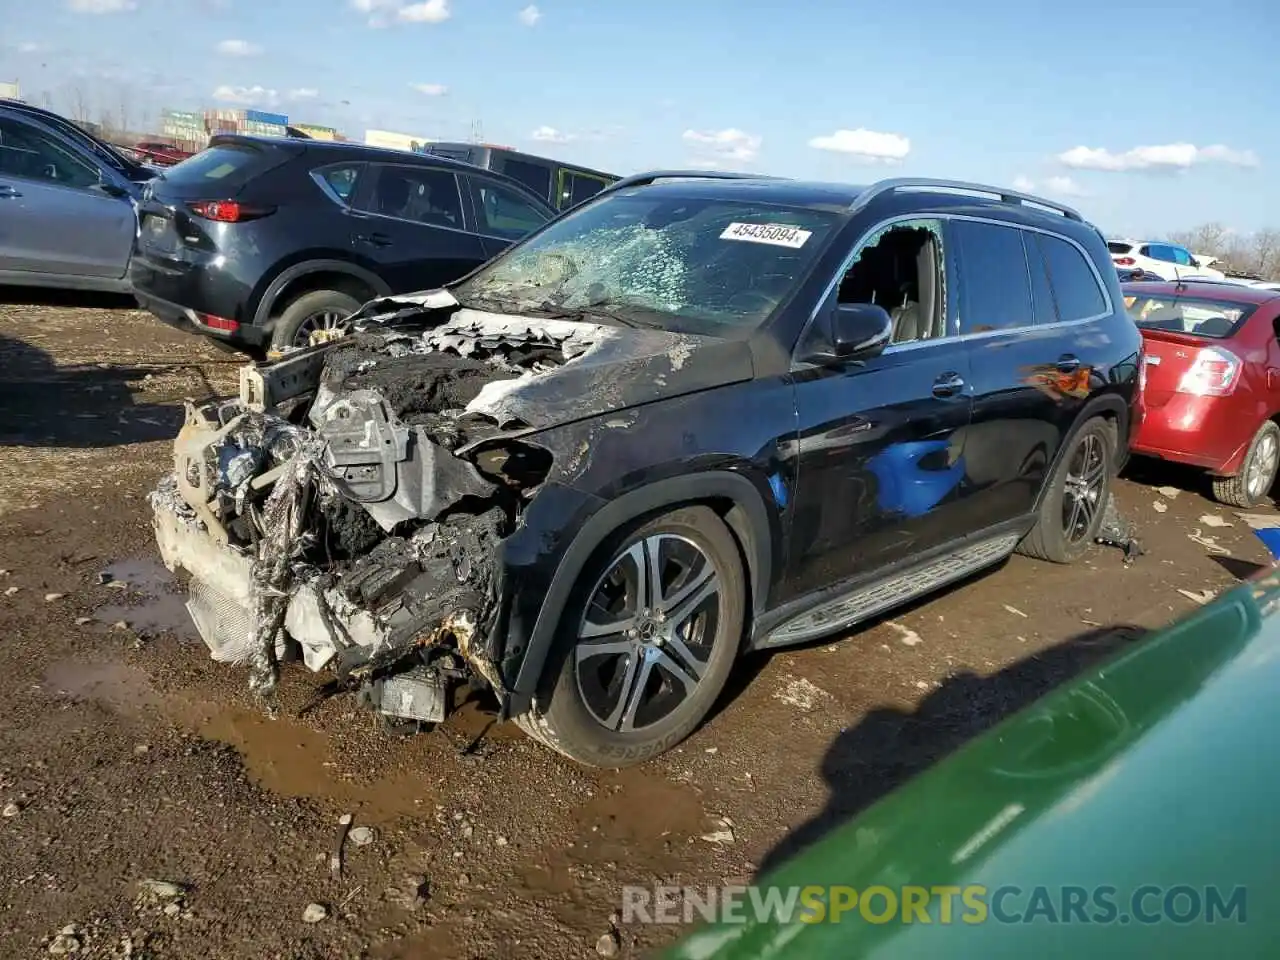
(535, 176)
(993, 277)
(222, 165)
(583, 187)
(422, 194)
(28, 152)
(1041, 290)
(1074, 285)
(502, 212)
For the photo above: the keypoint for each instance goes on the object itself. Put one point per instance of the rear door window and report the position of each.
(1045, 310)
(425, 195)
(339, 181)
(994, 281)
(503, 212)
(1075, 287)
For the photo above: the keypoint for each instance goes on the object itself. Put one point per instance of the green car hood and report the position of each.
(1154, 771)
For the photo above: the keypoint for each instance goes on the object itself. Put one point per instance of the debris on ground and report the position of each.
(800, 692)
(10, 811)
(162, 889)
(83, 621)
(362, 836)
(1159, 506)
(1214, 520)
(50, 597)
(723, 835)
(609, 944)
(1209, 543)
(1116, 531)
(67, 941)
(10, 591)
(1169, 493)
(1014, 610)
(1202, 597)
(335, 856)
(315, 913)
(908, 636)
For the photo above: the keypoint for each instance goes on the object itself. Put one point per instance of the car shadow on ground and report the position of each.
(42, 297)
(43, 404)
(890, 746)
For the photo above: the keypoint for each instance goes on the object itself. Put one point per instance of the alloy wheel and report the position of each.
(1262, 466)
(645, 639)
(323, 322)
(1084, 488)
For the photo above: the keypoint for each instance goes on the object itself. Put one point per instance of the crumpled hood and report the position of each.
(609, 368)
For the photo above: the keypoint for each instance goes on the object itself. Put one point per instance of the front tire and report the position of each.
(1257, 473)
(646, 642)
(1072, 509)
(317, 311)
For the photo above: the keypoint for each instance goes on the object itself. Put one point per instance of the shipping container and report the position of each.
(259, 116)
(317, 133)
(10, 90)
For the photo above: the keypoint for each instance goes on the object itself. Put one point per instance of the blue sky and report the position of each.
(1149, 117)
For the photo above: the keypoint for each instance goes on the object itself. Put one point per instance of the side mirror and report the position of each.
(109, 187)
(860, 331)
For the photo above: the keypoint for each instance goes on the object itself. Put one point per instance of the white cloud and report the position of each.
(238, 48)
(866, 145)
(28, 47)
(551, 135)
(259, 96)
(530, 15)
(724, 147)
(1164, 157)
(382, 12)
(430, 89)
(101, 6)
(1052, 187)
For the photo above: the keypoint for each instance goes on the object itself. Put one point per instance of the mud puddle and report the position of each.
(154, 602)
(114, 684)
(293, 760)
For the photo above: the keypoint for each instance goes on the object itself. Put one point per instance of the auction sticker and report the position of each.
(778, 235)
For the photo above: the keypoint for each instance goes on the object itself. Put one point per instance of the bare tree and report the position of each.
(79, 103)
(1208, 238)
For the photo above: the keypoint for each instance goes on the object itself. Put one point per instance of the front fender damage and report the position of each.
(348, 509)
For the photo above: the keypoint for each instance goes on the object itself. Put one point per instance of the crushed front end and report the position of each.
(349, 506)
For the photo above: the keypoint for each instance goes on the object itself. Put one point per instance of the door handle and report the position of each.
(948, 385)
(1068, 363)
(374, 239)
(6, 192)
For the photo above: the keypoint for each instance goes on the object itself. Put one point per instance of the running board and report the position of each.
(881, 595)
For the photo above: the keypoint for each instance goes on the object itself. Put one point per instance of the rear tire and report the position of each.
(1257, 473)
(1072, 509)
(622, 685)
(319, 309)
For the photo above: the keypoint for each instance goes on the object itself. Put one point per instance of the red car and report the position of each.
(1211, 381)
(161, 154)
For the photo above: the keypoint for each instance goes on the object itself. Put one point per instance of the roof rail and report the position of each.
(924, 183)
(644, 179)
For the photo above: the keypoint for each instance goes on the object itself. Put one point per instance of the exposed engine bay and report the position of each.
(347, 508)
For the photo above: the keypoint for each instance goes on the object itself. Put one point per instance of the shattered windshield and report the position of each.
(652, 260)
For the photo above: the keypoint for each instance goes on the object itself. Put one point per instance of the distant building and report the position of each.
(10, 91)
(396, 141)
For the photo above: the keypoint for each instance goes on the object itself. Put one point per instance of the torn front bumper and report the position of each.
(320, 619)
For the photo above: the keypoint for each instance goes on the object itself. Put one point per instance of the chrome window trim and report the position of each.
(847, 264)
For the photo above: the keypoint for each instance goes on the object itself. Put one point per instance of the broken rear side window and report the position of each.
(696, 265)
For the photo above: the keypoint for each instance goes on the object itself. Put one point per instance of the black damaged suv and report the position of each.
(699, 414)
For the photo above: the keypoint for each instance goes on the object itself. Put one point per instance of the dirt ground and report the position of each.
(127, 755)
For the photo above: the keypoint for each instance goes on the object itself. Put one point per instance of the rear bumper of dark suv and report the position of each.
(178, 297)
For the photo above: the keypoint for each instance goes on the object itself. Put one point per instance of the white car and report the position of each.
(1168, 261)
